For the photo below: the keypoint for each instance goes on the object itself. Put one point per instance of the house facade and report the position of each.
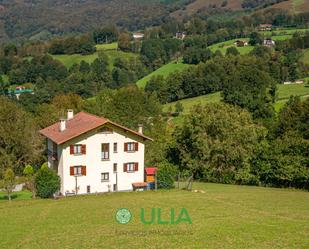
(93, 154)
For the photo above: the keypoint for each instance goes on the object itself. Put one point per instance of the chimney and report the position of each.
(62, 124)
(70, 114)
(140, 128)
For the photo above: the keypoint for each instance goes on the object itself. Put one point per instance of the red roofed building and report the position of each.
(93, 154)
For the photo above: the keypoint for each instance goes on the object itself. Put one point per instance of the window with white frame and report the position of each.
(130, 167)
(77, 170)
(131, 146)
(77, 149)
(115, 147)
(105, 152)
(104, 177)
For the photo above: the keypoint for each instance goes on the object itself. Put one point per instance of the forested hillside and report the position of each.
(44, 17)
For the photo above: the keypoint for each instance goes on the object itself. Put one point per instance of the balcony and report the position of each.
(52, 155)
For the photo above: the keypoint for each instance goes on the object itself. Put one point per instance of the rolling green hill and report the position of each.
(284, 93)
(109, 49)
(163, 71)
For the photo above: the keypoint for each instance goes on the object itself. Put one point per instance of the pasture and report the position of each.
(223, 216)
(283, 94)
(163, 71)
(110, 50)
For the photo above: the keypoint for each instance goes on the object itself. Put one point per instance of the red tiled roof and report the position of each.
(78, 125)
(139, 184)
(150, 171)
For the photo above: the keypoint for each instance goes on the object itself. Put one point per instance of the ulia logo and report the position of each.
(174, 218)
(123, 216)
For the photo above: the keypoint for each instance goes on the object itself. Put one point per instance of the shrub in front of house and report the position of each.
(166, 175)
(47, 182)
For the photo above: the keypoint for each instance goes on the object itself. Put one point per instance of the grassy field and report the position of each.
(305, 57)
(109, 49)
(222, 46)
(225, 216)
(164, 71)
(284, 93)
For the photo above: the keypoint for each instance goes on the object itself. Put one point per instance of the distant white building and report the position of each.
(138, 36)
(93, 154)
(180, 35)
(268, 42)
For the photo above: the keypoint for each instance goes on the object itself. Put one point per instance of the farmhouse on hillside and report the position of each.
(93, 154)
(240, 43)
(137, 36)
(268, 42)
(265, 27)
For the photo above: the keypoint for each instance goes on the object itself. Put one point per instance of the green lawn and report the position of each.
(164, 71)
(225, 216)
(22, 195)
(109, 49)
(284, 93)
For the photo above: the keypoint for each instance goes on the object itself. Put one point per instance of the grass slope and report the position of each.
(164, 71)
(225, 216)
(222, 46)
(284, 93)
(109, 49)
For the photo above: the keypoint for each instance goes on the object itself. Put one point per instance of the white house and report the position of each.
(93, 154)
(137, 36)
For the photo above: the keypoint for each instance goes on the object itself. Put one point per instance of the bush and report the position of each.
(47, 182)
(166, 175)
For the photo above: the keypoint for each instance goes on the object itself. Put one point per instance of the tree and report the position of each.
(217, 142)
(9, 182)
(47, 182)
(124, 40)
(251, 88)
(30, 179)
(166, 175)
(178, 107)
(255, 39)
(20, 143)
(232, 51)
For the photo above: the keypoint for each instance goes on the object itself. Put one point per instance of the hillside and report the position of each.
(284, 93)
(109, 49)
(280, 34)
(207, 6)
(24, 19)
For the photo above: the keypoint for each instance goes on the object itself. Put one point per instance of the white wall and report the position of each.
(95, 166)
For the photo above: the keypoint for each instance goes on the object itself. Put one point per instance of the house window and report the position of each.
(131, 147)
(105, 152)
(104, 177)
(115, 148)
(78, 149)
(130, 167)
(106, 130)
(78, 170)
(115, 167)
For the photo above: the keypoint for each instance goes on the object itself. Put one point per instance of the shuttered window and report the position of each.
(78, 170)
(78, 149)
(130, 167)
(131, 147)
